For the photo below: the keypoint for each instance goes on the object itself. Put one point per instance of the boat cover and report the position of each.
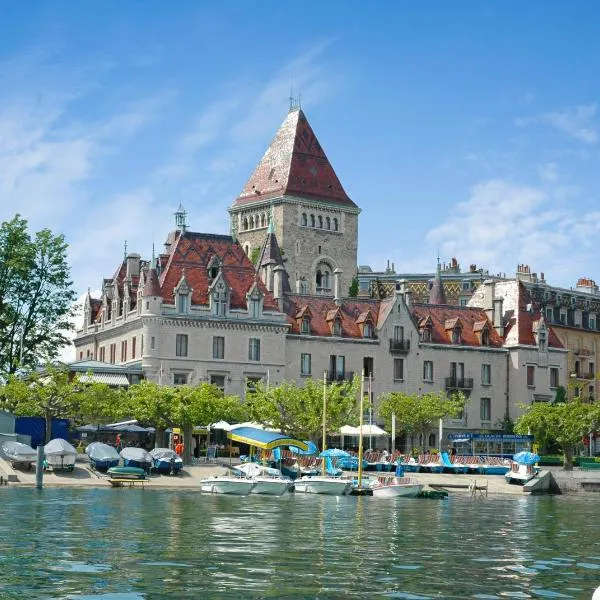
(254, 470)
(18, 452)
(165, 454)
(267, 440)
(136, 454)
(99, 452)
(59, 447)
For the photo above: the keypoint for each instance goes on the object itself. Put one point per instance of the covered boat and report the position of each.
(166, 461)
(102, 456)
(268, 480)
(136, 457)
(123, 473)
(18, 454)
(59, 454)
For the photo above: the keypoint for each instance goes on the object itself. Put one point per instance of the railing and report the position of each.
(455, 383)
(345, 376)
(399, 346)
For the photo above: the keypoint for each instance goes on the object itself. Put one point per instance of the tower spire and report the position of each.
(180, 218)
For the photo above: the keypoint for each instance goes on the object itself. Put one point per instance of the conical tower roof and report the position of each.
(294, 164)
(271, 254)
(437, 294)
(152, 287)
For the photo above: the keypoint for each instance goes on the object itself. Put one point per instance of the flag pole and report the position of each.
(324, 446)
(360, 425)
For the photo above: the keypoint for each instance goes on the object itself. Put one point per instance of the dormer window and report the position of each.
(305, 325)
(337, 327)
(485, 337)
(219, 297)
(367, 330)
(426, 334)
(213, 267)
(182, 295)
(182, 303)
(482, 331)
(456, 335)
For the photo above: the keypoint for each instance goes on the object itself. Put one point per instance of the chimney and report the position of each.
(498, 315)
(403, 290)
(489, 289)
(337, 283)
(133, 265)
(278, 283)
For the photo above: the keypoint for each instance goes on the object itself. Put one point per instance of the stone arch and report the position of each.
(304, 220)
(336, 226)
(320, 222)
(245, 224)
(328, 222)
(251, 223)
(312, 220)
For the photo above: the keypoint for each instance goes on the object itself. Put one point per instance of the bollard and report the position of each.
(39, 467)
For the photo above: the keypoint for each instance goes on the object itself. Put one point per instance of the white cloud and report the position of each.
(576, 122)
(548, 171)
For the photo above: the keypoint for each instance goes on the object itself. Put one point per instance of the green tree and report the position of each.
(36, 296)
(353, 291)
(298, 410)
(567, 423)
(254, 255)
(419, 413)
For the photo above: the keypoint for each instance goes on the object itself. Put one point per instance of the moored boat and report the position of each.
(519, 473)
(134, 473)
(136, 457)
(319, 484)
(166, 461)
(393, 487)
(268, 481)
(18, 454)
(59, 454)
(227, 484)
(102, 456)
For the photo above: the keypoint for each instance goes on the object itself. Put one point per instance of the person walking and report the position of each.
(179, 448)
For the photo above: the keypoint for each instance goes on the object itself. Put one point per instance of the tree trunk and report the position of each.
(159, 438)
(187, 444)
(48, 418)
(568, 458)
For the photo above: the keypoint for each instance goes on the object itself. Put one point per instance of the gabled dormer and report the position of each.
(183, 295)
(454, 329)
(334, 319)
(87, 311)
(365, 324)
(254, 301)
(303, 318)
(426, 329)
(482, 330)
(213, 267)
(219, 296)
(540, 332)
(116, 302)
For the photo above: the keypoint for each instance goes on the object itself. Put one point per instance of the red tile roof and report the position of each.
(323, 310)
(446, 317)
(294, 164)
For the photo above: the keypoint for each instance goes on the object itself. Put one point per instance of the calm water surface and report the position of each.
(137, 545)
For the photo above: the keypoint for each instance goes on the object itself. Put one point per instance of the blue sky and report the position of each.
(471, 127)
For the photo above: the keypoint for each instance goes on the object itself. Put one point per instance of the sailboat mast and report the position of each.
(324, 420)
(360, 426)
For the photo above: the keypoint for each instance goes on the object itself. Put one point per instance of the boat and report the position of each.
(102, 456)
(319, 484)
(393, 487)
(59, 455)
(18, 454)
(268, 481)
(227, 484)
(166, 461)
(134, 473)
(136, 457)
(519, 473)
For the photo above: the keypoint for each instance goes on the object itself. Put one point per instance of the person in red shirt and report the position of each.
(179, 448)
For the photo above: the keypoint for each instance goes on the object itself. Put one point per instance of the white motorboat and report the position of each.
(227, 484)
(18, 454)
(267, 480)
(59, 454)
(319, 484)
(519, 473)
(393, 487)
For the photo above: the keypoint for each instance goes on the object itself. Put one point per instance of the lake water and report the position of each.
(131, 544)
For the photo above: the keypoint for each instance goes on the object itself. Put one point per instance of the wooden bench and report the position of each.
(127, 482)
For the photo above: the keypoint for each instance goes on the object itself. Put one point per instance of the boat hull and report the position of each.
(104, 464)
(323, 485)
(165, 466)
(138, 464)
(126, 473)
(227, 485)
(397, 490)
(271, 486)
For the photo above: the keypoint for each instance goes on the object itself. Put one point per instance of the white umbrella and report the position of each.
(371, 430)
(221, 425)
(349, 430)
(247, 424)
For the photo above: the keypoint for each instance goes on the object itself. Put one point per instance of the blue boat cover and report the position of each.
(267, 440)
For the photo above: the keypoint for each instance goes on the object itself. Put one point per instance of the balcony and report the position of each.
(399, 346)
(340, 377)
(455, 383)
(583, 375)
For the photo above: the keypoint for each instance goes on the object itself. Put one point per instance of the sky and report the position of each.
(470, 128)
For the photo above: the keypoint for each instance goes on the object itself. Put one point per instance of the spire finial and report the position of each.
(294, 102)
(271, 228)
(153, 257)
(125, 249)
(180, 218)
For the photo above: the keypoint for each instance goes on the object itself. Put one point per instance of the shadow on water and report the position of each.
(132, 545)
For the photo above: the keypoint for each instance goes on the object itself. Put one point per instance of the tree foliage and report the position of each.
(298, 410)
(353, 291)
(419, 413)
(36, 296)
(566, 423)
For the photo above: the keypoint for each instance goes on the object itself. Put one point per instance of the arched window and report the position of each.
(485, 337)
(456, 337)
(312, 220)
(263, 220)
(320, 222)
(319, 278)
(245, 224)
(247, 249)
(335, 224)
(304, 220)
(328, 222)
(251, 223)
(323, 278)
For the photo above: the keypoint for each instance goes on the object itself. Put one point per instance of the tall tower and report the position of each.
(314, 220)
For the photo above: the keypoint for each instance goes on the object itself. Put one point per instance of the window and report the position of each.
(123, 350)
(466, 286)
(328, 222)
(592, 370)
(147, 305)
(457, 374)
(337, 367)
(554, 377)
(305, 367)
(398, 369)
(320, 222)
(456, 337)
(305, 326)
(181, 344)
(182, 303)
(152, 343)
(251, 383)
(218, 381)
(549, 314)
(426, 333)
(81, 356)
(531, 375)
(304, 220)
(218, 347)
(220, 303)
(245, 224)
(485, 409)
(337, 327)
(427, 370)
(335, 225)
(486, 374)
(368, 366)
(254, 349)
(485, 337)
(592, 322)
(113, 352)
(312, 220)
(255, 308)
(398, 333)
(542, 339)
(133, 343)
(102, 354)
(367, 330)
(180, 378)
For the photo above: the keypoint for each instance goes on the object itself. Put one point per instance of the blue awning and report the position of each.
(267, 440)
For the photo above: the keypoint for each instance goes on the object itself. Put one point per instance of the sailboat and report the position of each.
(323, 484)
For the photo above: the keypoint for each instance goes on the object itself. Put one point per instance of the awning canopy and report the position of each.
(267, 440)
(107, 378)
